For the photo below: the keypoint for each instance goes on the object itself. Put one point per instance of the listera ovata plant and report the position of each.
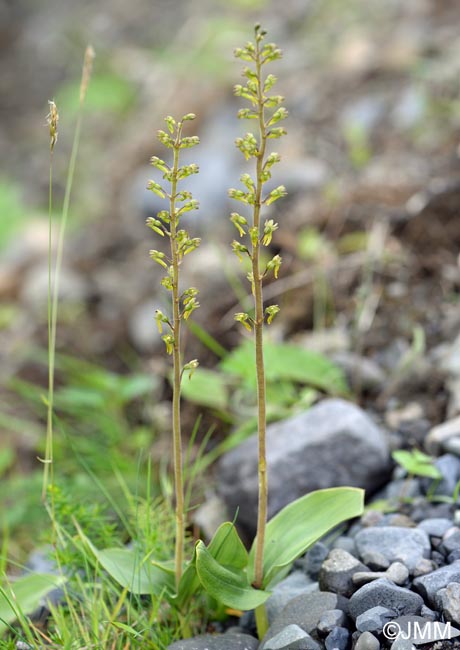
(183, 303)
(267, 111)
(223, 568)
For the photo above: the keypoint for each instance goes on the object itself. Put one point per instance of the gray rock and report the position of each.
(334, 443)
(375, 560)
(292, 637)
(438, 436)
(428, 614)
(406, 545)
(374, 619)
(429, 584)
(304, 611)
(449, 466)
(435, 526)
(346, 544)
(360, 371)
(450, 602)
(337, 572)
(451, 540)
(295, 584)
(314, 559)
(367, 641)
(217, 642)
(331, 619)
(338, 639)
(420, 631)
(423, 567)
(385, 593)
(396, 572)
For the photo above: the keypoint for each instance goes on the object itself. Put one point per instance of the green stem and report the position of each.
(261, 621)
(176, 329)
(258, 336)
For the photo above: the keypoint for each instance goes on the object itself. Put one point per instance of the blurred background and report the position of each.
(369, 233)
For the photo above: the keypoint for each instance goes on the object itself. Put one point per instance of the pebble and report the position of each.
(375, 560)
(292, 637)
(367, 641)
(449, 466)
(423, 567)
(304, 611)
(385, 593)
(338, 639)
(395, 543)
(217, 642)
(451, 540)
(331, 619)
(346, 544)
(428, 585)
(450, 602)
(396, 572)
(429, 614)
(337, 572)
(314, 559)
(374, 619)
(435, 526)
(295, 584)
(438, 435)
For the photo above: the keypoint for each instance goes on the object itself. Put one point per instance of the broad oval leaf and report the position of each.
(131, 571)
(207, 388)
(227, 548)
(228, 587)
(24, 595)
(301, 523)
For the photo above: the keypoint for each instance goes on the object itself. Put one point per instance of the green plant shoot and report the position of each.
(183, 303)
(267, 112)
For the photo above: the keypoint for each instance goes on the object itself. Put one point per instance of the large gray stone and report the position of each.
(386, 594)
(334, 443)
(217, 642)
(304, 611)
(428, 585)
(292, 637)
(337, 571)
(295, 584)
(406, 545)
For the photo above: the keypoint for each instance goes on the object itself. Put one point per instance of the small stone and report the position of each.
(423, 567)
(295, 584)
(304, 611)
(398, 573)
(385, 593)
(452, 445)
(399, 520)
(429, 614)
(428, 585)
(450, 602)
(346, 544)
(449, 466)
(331, 619)
(292, 637)
(435, 526)
(395, 543)
(217, 642)
(337, 572)
(375, 560)
(367, 641)
(338, 639)
(451, 540)
(374, 619)
(314, 559)
(454, 556)
(436, 438)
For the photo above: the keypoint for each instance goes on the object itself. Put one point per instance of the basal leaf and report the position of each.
(24, 595)
(228, 587)
(131, 571)
(227, 548)
(301, 523)
(207, 388)
(288, 362)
